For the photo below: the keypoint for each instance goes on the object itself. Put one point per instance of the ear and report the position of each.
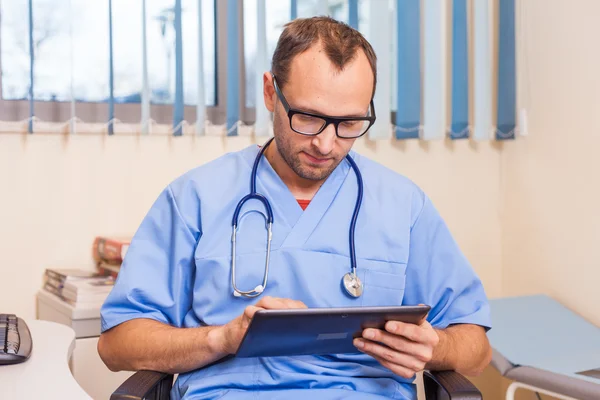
(269, 91)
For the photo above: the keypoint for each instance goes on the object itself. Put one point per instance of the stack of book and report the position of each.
(80, 288)
(108, 253)
(83, 288)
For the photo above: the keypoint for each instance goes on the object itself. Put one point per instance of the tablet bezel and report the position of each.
(370, 317)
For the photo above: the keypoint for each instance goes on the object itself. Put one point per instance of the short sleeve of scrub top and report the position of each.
(438, 274)
(156, 277)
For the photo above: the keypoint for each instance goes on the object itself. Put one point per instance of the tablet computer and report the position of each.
(315, 331)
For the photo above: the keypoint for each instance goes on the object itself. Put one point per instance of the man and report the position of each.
(173, 307)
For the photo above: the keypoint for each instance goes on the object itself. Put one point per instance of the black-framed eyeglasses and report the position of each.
(310, 124)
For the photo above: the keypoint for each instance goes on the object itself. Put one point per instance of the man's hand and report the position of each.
(230, 336)
(404, 349)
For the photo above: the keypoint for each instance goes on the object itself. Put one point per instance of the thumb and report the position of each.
(250, 311)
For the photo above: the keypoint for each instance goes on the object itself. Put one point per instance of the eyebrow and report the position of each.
(313, 111)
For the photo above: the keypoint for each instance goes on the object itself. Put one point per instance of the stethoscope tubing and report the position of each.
(269, 222)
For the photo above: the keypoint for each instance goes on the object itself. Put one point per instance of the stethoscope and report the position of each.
(350, 280)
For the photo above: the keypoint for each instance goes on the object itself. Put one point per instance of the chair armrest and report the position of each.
(145, 385)
(157, 386)
(449, 385)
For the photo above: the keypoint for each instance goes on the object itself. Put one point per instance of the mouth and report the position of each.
(316, 160)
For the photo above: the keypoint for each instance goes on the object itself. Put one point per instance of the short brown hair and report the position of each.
(340, 42)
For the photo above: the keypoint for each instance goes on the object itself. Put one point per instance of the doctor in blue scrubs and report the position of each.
(183, 298)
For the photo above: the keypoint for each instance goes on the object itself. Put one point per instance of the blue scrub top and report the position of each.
(178, 270)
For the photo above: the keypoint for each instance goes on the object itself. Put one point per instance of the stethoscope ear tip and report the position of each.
(259, 289)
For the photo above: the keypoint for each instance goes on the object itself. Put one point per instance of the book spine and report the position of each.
(76, 297)
(58, 284)
(53, 290)
(55, 275)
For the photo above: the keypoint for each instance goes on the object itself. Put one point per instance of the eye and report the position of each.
(306, 118)
(351, 124)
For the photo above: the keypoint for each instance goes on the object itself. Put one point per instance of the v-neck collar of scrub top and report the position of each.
(300, 223)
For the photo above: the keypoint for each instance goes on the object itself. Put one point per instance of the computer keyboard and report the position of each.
(15, 340)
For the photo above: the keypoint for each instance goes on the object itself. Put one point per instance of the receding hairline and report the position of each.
(337, 68)
(340, 42)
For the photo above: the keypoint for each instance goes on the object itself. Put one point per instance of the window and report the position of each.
(127, 54)
(54, 44)
(52, 49)
(15, 47)
(160, 33)
(337, 9)
(72, 55)
(190, 51)
(90, 46)
(278, 13)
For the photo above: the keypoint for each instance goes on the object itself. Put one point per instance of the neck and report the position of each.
(301, 188)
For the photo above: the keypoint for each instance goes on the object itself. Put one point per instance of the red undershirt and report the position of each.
(303, 203)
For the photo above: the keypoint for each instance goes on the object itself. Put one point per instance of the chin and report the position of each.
(314, 173)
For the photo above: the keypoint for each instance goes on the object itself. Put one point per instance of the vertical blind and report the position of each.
(459, 125)
(436, 65)
(408, 70)
(506, 72)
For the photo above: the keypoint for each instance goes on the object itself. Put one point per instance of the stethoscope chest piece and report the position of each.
(352, 284)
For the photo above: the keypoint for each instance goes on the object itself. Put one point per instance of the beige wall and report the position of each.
(551, 183)
(58, 192)
(549, 180)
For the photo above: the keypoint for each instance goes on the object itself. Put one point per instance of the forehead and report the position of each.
(315, 82)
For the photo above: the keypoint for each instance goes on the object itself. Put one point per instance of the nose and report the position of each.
(325, 140)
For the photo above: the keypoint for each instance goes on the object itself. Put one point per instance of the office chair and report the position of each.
(438, 385)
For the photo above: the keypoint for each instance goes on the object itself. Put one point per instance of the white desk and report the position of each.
(46, 374)
(87, 367)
